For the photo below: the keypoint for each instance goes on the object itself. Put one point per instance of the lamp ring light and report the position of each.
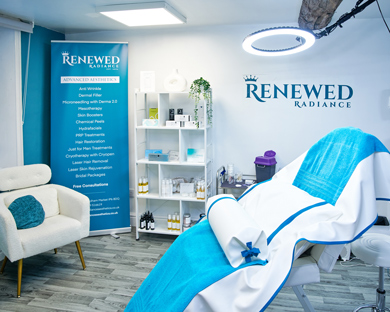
(305, 37)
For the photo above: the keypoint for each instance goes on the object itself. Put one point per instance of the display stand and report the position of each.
(180, 139)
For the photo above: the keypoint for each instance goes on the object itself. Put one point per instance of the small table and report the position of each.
(238, 187)
(235, 185)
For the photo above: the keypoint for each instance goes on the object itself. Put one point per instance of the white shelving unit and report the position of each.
(167, 139)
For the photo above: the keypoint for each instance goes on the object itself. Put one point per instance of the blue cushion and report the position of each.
(27, 212)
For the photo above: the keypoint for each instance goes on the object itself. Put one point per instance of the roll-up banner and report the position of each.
(89, 128)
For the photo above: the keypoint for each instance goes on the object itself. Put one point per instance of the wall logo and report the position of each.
(301, 95)
(106, 61)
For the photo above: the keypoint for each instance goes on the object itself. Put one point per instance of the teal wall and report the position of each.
(36, 128)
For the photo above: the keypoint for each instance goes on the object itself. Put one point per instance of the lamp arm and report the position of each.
(345, 17)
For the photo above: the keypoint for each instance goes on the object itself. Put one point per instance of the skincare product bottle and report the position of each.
(174, 222)
(198, 195)
(177, 222)
(142, 222)
(145, 186)
(170, 187)
(187, 219)
(152, 222)
(169, 218)
(202, 190)
(230, 173)
(147, 222)
(163, 188)
(140, 186)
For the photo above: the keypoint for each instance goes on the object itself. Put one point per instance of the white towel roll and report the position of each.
(236, 231)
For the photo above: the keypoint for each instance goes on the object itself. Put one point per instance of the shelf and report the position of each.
(160, 225)
(171, 163)
(183, 198)
(174, 197)
(146, 161)
(149, 196)
(159, 230)
(169, 139)
(168, 128)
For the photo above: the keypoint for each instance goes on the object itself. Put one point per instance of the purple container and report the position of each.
(267, 160)
(265, 166)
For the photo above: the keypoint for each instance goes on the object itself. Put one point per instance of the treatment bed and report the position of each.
(243, 254)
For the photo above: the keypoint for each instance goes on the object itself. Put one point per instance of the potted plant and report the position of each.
(201, 87)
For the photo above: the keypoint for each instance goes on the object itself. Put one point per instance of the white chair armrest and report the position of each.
(304, 271)
(301, 247)
(74, 205)
(326, 255)
(10, 243)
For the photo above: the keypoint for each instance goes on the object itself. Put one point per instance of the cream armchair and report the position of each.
(66, 215)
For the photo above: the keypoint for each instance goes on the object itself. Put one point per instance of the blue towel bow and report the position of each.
(248, 254)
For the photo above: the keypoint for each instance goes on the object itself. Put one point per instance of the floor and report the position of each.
(117, 267)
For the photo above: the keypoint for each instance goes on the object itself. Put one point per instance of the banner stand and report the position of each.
(110, 232)
(89, 128)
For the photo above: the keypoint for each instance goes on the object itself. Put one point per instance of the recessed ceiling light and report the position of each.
(305, 40)
(143, 14)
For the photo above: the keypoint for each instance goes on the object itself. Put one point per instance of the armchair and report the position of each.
(66, 215)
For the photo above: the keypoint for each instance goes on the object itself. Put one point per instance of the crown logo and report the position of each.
(250, 78)
(65, 53)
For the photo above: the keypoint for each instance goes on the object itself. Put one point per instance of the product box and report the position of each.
(147, 81)
(173, 155)
(150, 122)
(191, 124)
(172, 124)
(186, 189)
(195, 155)
(153, 113)
(171, 114)
(182, 117)
(158, 157)
(152, 151)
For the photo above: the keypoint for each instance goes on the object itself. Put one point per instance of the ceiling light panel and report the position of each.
(143, 14)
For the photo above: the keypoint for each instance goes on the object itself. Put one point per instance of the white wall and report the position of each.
(11, 134)
(356, 55)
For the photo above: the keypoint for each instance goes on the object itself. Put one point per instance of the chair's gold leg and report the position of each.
(20, 266)
(3, 266)
(55, 250)
(80, 254)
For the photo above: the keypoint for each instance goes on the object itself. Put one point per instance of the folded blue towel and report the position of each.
(193, 262)
(330, 162)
